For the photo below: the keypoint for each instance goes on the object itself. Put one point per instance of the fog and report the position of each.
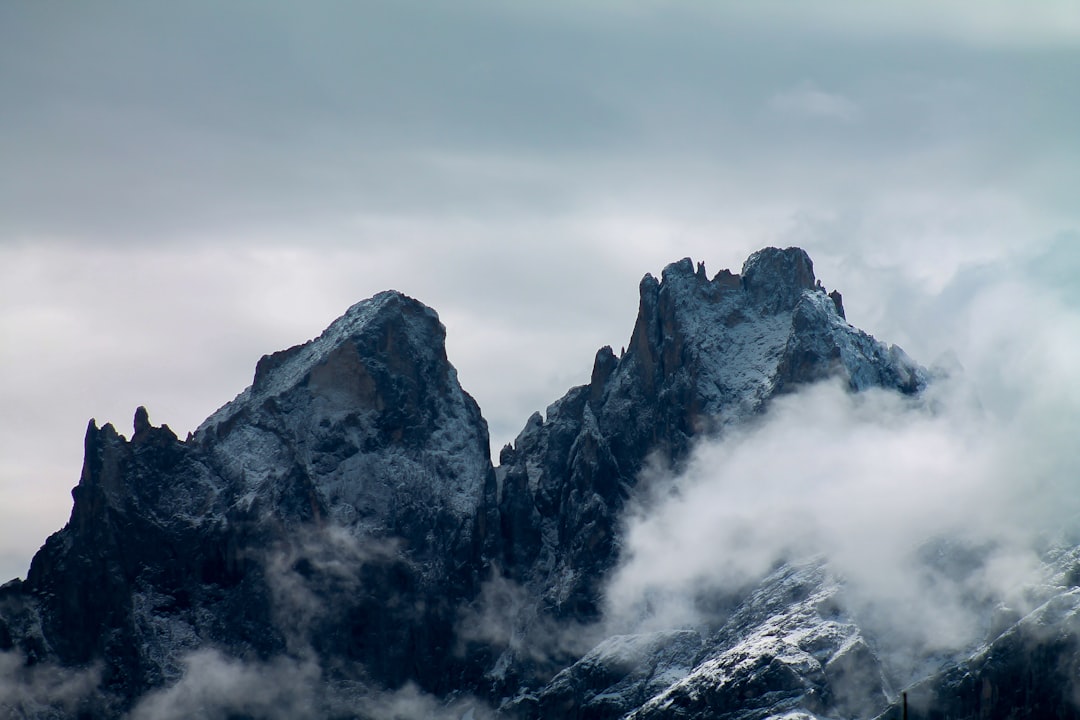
(312, 577)
(35, 690)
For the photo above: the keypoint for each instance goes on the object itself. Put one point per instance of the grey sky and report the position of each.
(184, 187)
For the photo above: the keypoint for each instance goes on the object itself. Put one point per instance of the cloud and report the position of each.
(889, 494)
(933, 510)
(285, 118)
(313, 573)
(214, 686)
(409, 703)
(806, 100)
(985, 23)
(507, 619)
(39, 690)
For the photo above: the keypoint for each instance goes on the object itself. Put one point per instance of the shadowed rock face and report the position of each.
(343, 510)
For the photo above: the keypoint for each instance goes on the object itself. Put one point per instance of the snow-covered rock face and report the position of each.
(725, 346)
(774, 279)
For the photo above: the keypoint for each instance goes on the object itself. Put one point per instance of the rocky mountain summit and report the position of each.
(336, 542)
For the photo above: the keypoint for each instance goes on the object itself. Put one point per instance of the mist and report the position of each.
(215, 685)
(312, 578)
(40, 689)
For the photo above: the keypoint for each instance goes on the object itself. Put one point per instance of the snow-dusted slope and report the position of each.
(788, 649)
(1029, 666)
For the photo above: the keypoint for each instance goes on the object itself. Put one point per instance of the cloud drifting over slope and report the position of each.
(932, 509)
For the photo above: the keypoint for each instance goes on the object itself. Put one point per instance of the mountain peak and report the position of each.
(704, 355)
(387, 308)
(774, 279)
(740, 338)
(392, 331)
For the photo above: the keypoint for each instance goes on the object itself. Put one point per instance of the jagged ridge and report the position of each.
(344, 508)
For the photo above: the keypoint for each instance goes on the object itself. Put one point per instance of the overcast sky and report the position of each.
(185, 187)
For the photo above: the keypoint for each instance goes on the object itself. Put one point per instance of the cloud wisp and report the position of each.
(312, 578)
(39, 690)
(807, 100)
